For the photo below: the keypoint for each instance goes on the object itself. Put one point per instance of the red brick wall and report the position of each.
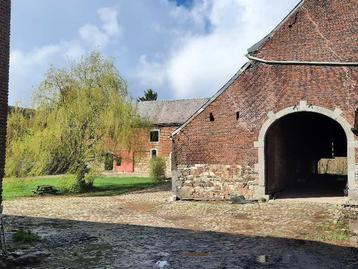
(163, 147)
(4, 76)
(320, 30)
(262, 88)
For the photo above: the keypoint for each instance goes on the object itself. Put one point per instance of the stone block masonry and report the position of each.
(215, 182)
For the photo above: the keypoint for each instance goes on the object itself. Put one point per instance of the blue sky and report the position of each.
(182, 48)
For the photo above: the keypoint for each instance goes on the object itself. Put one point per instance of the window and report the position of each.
(153, 153)
(154, 136)
(118, 161)
(237, 115)
(211, 117)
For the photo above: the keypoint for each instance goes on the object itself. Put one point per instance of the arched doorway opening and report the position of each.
(305, 156)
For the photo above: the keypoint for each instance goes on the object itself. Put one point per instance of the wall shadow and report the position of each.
(112, 190)
(80, 244)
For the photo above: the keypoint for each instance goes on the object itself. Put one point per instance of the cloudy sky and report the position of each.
(181, 48)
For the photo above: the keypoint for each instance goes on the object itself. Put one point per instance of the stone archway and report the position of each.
(335, 115)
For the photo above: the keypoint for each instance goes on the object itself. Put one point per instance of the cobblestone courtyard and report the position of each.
(142, 229)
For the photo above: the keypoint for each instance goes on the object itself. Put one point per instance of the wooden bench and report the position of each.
(45, 189)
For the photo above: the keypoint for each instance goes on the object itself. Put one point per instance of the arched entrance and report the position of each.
(332, 118)
(305, 156)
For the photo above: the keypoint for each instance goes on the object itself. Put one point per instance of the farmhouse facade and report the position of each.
(165, 117)
(4, 77)
(290, 110)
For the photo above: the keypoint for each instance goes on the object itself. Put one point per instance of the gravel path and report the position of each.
(141, 229)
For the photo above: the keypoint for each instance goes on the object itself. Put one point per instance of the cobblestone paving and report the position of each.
(142, 229)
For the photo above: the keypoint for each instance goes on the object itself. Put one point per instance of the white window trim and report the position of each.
(153, 130)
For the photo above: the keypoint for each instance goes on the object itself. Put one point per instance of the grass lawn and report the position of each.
(103, 186)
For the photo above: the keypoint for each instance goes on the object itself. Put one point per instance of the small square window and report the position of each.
(153, 153)
(154, 136)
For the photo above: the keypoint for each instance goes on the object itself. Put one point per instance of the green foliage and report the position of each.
(81, 113)
(338, 231)
(88, 180)
(108, 162)
(157, 168)
(149, 95)
(70, 184)
(25, 236)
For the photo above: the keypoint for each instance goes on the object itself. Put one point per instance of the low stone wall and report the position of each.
(214, 182)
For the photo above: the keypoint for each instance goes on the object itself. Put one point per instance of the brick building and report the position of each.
(166, 117)
(4, 77)
(289, 111)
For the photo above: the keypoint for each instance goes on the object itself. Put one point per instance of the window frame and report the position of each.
(154, 130)
(151, 155)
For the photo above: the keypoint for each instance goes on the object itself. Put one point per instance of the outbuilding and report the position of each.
(286, 124)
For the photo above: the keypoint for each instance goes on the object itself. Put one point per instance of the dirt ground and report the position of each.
(145, 230)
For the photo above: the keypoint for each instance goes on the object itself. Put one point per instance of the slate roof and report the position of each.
(170, 112)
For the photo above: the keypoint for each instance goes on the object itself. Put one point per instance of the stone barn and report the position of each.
(286, 124)
(4, 77)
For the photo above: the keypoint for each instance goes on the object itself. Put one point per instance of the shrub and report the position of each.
(89, 180)
(108, 162)
(70, 184)
(25, 236)
(157, 168)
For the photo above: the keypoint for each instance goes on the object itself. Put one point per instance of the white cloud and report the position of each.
(27, 68)
(203, 63)
(109, 17)
(178, 51)
(150, 73)
(99, 36)
(93, 35)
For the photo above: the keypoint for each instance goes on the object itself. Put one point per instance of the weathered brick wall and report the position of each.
(322, 30)
(263, 88)
(4, 76)
(164, 148)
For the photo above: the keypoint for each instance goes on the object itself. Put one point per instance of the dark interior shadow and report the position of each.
(317, 186)
(79, 244)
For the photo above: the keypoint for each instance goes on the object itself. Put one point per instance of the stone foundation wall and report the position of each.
(214, 182)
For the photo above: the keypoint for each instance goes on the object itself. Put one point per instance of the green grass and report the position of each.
(331, 232)
(103, 186)
(25, 236)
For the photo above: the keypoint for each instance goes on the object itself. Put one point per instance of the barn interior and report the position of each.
(306, 156)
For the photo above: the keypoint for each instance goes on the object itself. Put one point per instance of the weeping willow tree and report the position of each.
(82, 112)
